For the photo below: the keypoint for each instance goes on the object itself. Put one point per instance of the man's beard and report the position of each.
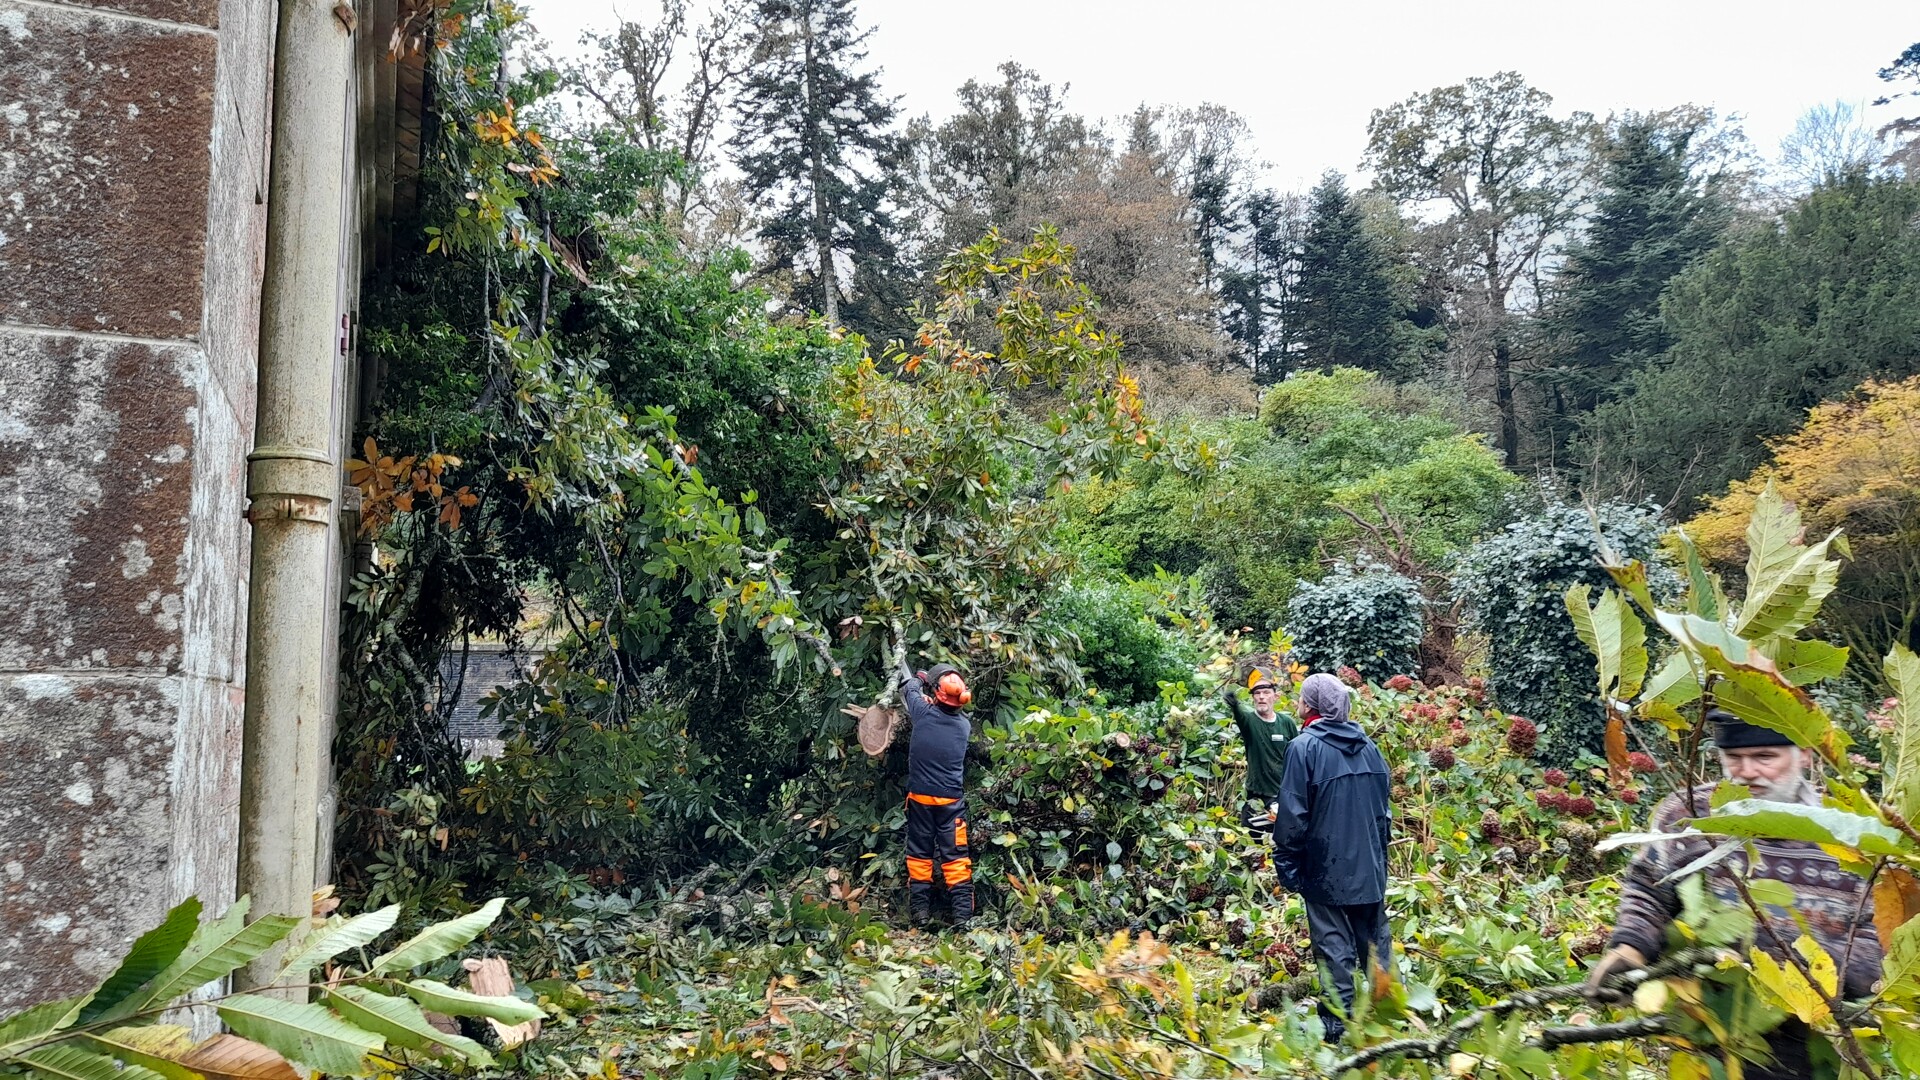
(1785, 790)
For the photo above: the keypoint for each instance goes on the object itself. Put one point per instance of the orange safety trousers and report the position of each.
(937, 838)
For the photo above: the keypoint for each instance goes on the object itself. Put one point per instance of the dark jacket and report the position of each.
(937, 751)
(1330, 835)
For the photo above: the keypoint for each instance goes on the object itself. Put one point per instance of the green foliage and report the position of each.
(1365, 617)
(367, 1024)
(1347, 309)
(1654, 216)
(1765, 327)
(1338, 456)
(815, 149)
(1515, 585)
(1787, 578)
(1124, 650)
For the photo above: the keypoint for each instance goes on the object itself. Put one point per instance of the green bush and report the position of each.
(1515, 583)
(1124, 651)
(1365, 617)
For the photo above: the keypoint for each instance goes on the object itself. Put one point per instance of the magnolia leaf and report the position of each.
(1763, 699)
(1896, 903)
(1826, 974)
(1617, 638)
(1903, 767)
(1705, 596)
(1711, 858)
(230, 1057)
(1631, 576)
(441, 998)
(1901, 965)
(1792, 821)
(1804, 663)
(301, 1032)
(1619, 768)
(439, 940)
(402, 1022)
(1674, 684)
(216, 950)
(160, 1047)
(1771, 891)
(65, 1061)
(337, 937)
(1627, 839)
(1786, 579)
(150, 955)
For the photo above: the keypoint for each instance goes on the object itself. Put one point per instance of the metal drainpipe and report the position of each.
(293, 479)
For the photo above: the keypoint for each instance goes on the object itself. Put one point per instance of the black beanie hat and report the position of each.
(1732, 733)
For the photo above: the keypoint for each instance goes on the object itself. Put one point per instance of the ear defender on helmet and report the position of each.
(952, 690)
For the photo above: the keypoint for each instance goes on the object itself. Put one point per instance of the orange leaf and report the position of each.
(1896, 899)
(1619, 769)
(403, 501)
(230, 1057)
(778, 1062)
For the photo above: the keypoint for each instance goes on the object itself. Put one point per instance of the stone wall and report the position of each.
(133, 157)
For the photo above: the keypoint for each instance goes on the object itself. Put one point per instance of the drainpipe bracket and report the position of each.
(291, 483)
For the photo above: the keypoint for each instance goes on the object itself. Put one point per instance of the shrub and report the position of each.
(1365, 617)
(1124, 651)
(1515, 583)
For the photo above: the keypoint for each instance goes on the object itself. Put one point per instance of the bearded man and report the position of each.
(1836, 906)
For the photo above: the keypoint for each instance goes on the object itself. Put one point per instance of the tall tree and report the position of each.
(628, 75)
(816, 147)
(1764, 327)
(985, 165)
(1902, 133)
(1506, 174)
(1347, 308)
(1654, 215)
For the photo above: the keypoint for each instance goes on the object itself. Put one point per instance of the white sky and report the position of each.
(1307, 74)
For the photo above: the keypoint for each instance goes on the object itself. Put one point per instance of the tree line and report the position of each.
(1631, 302)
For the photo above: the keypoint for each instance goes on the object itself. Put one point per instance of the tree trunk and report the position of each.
(816, 155)
(1503, 398)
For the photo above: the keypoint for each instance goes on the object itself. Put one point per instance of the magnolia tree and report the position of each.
(1009, 390)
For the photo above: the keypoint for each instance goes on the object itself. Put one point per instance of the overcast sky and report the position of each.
(1307, 74)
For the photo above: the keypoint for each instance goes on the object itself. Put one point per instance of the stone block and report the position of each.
(104, 132)
(97, 446)
(85, 825)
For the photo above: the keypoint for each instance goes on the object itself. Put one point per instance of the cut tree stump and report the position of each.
(491, 978)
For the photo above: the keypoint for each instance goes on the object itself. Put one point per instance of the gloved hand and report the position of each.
(922, 676)
(1615, 961)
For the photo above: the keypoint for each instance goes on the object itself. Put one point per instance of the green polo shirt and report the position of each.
(1266, 743)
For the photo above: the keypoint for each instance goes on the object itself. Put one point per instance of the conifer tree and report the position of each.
(1256, 288)
(1345, 310)
(1652, 219)
(816, 145)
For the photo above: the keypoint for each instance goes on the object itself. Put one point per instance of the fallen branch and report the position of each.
(1440, 1047)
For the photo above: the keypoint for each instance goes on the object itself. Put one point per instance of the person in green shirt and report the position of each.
(1265, 731)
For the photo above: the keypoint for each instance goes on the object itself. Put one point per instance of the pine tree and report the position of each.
(1346, 309)
(1257, 288)
(1652, 219)
(816, 147)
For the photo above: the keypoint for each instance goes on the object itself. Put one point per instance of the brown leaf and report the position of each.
(230, 1057)
(1619, 769)
(1896, 899)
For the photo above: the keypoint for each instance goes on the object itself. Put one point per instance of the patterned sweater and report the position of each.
(1837, 905)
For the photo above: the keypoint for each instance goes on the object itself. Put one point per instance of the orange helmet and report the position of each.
(949, 688)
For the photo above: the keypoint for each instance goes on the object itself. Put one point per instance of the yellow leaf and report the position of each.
(1685, 1066)
(1650, 997)
(1788, 988)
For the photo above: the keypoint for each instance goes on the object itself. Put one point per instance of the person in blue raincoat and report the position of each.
(1330, 836)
